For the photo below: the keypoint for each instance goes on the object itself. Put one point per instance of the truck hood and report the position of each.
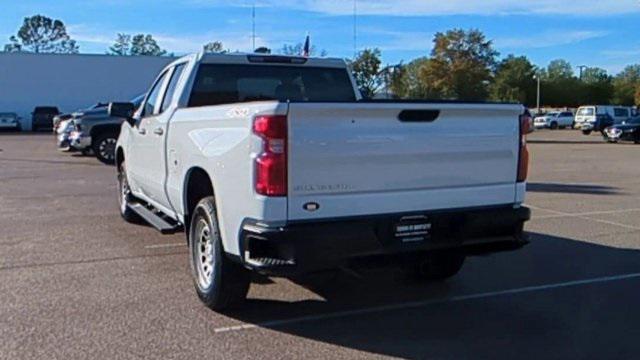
(98, 113)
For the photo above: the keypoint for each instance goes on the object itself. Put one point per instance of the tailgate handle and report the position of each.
(418, 115)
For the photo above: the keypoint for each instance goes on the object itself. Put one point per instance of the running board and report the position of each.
(155, 220)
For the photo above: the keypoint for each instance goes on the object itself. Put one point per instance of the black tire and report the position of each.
(440, 266)
(554, 125)
(220, 282)
(125, 197)
(104, 146)
(586, 132)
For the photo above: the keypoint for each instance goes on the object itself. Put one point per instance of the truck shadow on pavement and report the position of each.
(471, 315)
(572, 188)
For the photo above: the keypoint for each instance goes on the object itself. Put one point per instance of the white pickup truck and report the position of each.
(275, 164)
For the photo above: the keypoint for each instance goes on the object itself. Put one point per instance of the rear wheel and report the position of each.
(440, 266)
(586, 132)
(104, 146)
(220, 283)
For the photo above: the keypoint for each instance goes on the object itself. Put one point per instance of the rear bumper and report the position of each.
(301, 247)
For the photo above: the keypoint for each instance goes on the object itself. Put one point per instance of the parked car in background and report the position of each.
(554, 120)
(10, 121)
(63, 134)
(95, 130)
(628, 130)
(275, 164)
(586, 116)
(42, 117)
(602, 122)
(58, 119)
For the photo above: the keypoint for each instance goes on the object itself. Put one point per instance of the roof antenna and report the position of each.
(355, 29)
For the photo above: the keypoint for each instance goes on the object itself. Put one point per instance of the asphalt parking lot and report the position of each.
(77, 282)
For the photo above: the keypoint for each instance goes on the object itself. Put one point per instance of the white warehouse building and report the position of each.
(72, 82)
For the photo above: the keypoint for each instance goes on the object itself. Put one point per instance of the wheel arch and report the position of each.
(197, 185)
(104, 128)
(119, 156)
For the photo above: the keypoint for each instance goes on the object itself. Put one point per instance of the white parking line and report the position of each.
(160, 246)
(585, 216)
(415, 304)
(607, 212)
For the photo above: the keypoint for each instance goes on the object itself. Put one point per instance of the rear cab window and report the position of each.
(217, 84)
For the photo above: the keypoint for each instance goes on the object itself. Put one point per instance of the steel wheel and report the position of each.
(124, 192)
(204, 254)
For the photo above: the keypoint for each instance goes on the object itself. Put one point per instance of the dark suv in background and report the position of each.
(42, 117)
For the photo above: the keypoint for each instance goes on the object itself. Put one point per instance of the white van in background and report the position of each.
(588, 114)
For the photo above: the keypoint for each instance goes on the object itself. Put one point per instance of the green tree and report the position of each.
(367, 72)
(214, 47)
(514, 81)
(559, 69)
(597, 86)
(405, 81)
(296, 50)
(461, 65)
(638, 96)
(559, 86)
(625, 85)
(142, 44)
(121, 46)
(41, 34)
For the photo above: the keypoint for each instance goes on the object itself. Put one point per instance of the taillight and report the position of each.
(523, 157)
(271, 164)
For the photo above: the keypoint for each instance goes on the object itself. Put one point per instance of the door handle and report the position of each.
(158, 131)
(142, 131)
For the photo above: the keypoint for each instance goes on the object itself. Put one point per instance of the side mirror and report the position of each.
(122, 110)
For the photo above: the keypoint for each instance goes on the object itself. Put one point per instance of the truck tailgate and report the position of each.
(352, 159)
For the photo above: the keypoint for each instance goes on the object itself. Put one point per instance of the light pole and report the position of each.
(582, 68)
(537, 77)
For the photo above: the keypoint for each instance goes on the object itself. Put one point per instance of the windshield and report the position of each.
(224, 84)
(588, 111)
(553, 114)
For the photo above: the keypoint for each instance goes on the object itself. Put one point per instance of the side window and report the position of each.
(171, 88)
(619, 112)
(567, 114)
(154, 94)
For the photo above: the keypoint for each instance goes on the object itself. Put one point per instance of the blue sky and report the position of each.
(604, 33)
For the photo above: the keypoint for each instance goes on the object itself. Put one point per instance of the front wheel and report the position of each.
(554, 125)
(220, 283)
(104, 146)
(125, 197)
(440, 266)
(586, 132)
